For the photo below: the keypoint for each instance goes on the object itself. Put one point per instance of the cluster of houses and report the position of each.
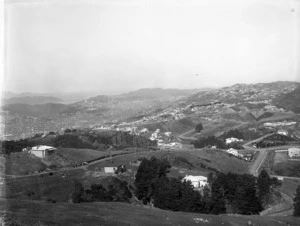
(236, 153)
(232, 140)
(279, 124)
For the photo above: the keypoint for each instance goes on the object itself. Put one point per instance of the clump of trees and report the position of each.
(227, 193)
(198, 128)
(209, 141)
(153, 186)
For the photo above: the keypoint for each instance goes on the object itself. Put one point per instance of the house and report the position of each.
(110, 169)
(294, 152)
(41, 151)
(197, 181)
(282, 132)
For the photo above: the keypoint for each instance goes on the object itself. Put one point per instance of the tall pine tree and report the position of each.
(297, 202)
(263, 184)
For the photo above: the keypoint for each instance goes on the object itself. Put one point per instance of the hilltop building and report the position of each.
(41, 151)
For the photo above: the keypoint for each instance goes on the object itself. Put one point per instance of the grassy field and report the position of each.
(117, 214)
(289, 186)
(216, 159)
(287, 168)
(217, 127)
(280, 157)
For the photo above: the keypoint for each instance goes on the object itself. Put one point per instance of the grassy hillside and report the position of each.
(174, 126)
(56, 186)
(199, 161)
(289, 101)
(21, 163)
(40, 110)
(115, 214)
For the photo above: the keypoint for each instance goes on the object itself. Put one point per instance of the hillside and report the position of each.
(243, 93)
(289, 101)
(40, 110)
(114, 214)
(32, 100)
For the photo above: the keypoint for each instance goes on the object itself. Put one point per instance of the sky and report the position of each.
(117, 46)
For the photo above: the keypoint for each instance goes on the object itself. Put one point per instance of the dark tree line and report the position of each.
(233, 133)
(15, 146)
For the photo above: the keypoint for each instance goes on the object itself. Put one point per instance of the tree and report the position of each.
(263, 184)
(147, 174)
(297, 202)
(198, 128)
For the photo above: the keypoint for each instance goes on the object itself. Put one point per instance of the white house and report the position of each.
(110, 169)
(41, 150)
(197, 181)
(282, 132)
(294, 152)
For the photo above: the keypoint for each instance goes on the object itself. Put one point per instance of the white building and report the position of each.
(110, 169)
(197, 181)
(41, 150)
(294, 152)
(282, 132)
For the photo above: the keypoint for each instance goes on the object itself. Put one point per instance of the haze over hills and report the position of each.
(32, 100)
(163, 93)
